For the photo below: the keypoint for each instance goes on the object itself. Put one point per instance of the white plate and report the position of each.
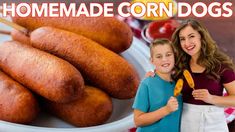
(122, 116)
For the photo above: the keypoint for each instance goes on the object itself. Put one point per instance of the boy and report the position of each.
(155, 108)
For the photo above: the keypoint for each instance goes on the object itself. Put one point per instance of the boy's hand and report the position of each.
(172, 104)
(150, 74)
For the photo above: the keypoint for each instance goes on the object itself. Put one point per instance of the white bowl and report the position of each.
(122, 116)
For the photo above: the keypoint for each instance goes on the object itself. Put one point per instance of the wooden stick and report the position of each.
(5, 32)
(14, 25)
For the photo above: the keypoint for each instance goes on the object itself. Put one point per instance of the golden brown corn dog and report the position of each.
(107, 31)
(45, 74)
(178, 87)
(100, 66)
(93, 109)
(17, 104)
(189, 78)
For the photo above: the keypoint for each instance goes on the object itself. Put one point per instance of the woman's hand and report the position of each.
(203, 94)
(149, 74)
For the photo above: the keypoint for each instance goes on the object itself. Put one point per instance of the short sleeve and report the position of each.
(228, 76)
(141, 101)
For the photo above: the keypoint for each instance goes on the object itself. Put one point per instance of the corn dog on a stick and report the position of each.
(189, 79)
(178, 87)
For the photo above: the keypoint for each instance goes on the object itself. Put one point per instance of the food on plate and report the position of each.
(189, 79)
(107, 31)
(93, 109)
(43, 73)
(17, 104)
(178, 87)
(101, 67)
(98, 65)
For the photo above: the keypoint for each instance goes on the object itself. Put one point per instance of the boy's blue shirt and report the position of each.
(153, 93)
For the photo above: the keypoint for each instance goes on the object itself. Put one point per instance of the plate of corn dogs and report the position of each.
(69, 74)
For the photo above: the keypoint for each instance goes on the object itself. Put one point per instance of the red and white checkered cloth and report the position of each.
(229, 112)
(136, 26)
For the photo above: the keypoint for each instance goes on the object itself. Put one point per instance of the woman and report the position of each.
(211, 70)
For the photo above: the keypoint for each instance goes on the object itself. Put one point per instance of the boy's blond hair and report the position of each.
(160, 41)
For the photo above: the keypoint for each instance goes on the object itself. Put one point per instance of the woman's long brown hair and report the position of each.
(210, 56)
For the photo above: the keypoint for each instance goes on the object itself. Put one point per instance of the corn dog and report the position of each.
(45, 74)
(178, 87)
(93, 109)
(18, 104)
(109, 32)
(98, 65)
(189, 79)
